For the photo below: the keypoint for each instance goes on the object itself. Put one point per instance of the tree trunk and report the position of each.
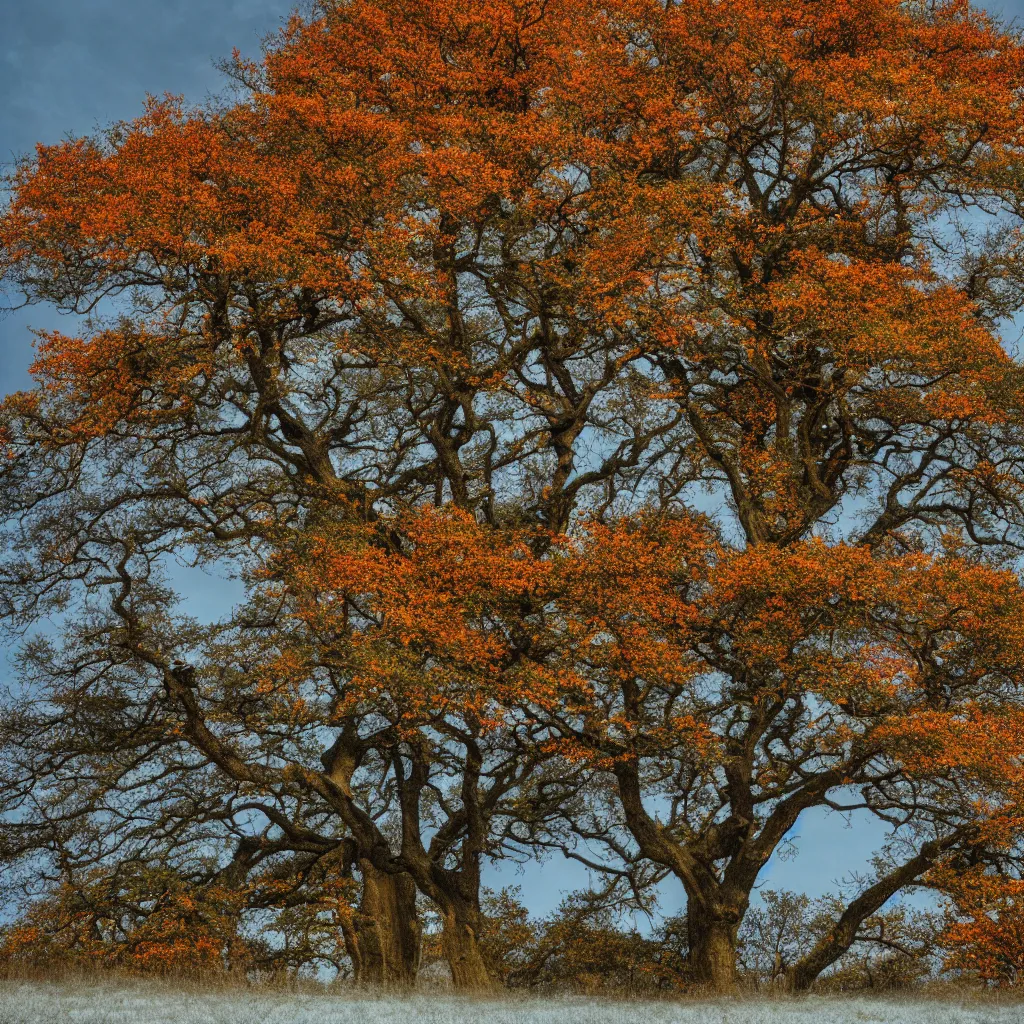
(843, 933)
(387, 930)
(355, 954)
(712, 956)
(462, 951)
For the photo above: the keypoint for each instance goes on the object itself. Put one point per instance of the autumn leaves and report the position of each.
(605, 412)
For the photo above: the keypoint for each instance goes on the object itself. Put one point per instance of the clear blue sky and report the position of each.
(69, 66)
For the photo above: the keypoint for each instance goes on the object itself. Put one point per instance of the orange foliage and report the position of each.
(445, 322)
(440, 626)
(154, 927)
(380, 130)
(984, 934)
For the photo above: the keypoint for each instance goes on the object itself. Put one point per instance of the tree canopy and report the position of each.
(607, 411)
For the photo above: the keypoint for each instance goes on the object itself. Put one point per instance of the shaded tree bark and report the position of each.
(461, 946)
(712, 953)
(387, 929)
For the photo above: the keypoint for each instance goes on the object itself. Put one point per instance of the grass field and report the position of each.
(66, 1003)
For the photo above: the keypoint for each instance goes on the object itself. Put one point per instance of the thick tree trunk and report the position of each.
(387, 930)
(712, 926)
(712, 955)
(459, 941)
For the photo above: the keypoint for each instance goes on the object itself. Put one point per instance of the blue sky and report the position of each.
(67, 67)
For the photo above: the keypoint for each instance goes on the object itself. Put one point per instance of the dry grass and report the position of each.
(126, 1001)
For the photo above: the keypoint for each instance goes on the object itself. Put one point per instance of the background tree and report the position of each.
(892, 949)
(149, 922)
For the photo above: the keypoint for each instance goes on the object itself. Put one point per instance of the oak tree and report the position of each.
(605, 396)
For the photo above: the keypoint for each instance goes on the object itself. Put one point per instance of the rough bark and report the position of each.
(352, 948)
(712, 957)
(460, 943)
(387, 930)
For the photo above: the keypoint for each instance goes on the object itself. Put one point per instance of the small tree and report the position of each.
(149, 922)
